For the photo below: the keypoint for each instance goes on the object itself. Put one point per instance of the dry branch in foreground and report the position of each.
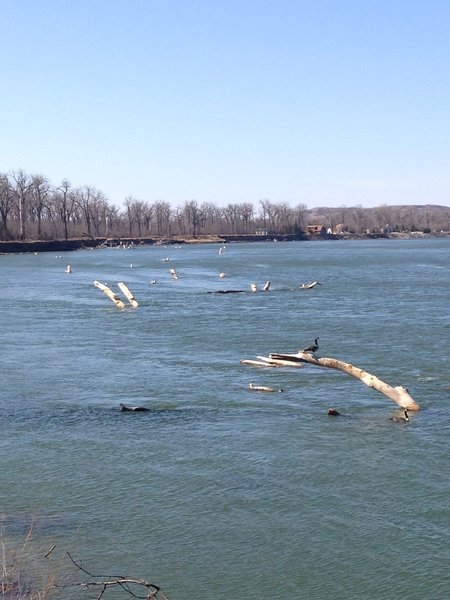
(133, 587)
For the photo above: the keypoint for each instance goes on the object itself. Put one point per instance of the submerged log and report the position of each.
(398, 394)
(258, 363)
(263, 388)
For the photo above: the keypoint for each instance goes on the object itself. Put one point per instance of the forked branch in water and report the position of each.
(135, 588)
(398, 394)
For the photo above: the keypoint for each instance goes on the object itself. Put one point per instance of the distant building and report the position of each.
(261, 232)
(316, 230)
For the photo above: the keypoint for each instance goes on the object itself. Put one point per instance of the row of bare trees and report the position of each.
(384, 219)
(31, 208)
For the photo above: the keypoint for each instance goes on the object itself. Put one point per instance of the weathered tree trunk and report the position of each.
(398, 394)
(128, 294)
(111, 295)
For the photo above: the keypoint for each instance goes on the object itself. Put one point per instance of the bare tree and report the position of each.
(283, 216)
(113, 221)
(212, 217)
(39, 200)
(162, 213)
(83, 198)
(359, 219)
(247, 214)
(6, 204)
(193, 215)
(231, 213)
(22, 184)
(136, 214)
(64, 204)
(300, 212)
(98, 209)
(272, 211)
(382, 216)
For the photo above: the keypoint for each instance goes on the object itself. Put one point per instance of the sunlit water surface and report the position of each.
(218, 491)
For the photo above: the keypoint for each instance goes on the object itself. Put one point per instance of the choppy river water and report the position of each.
(219, 491)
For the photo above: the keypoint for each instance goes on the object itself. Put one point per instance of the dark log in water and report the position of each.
(125, 408)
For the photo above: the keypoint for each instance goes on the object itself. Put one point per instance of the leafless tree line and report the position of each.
(32, 208)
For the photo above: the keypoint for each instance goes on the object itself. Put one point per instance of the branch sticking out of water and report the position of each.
(398, 394)
(103, 583)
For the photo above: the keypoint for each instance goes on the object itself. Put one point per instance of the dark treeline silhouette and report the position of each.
(32, 208)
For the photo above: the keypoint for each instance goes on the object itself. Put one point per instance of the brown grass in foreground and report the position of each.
(26, 572)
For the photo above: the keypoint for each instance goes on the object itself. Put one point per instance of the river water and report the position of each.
(219, 491)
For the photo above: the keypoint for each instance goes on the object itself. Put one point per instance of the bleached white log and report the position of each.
(263, 388)
(280, 362)
(128, 294)
(111, 295)
(257, 363)
(400, 395)
(264, 361)
(310, 285)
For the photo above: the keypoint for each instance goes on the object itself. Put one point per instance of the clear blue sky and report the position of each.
(322, 102)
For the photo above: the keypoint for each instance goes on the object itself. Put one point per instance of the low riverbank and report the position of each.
(91, 243)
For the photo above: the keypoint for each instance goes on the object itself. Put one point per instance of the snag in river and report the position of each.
(400, 395)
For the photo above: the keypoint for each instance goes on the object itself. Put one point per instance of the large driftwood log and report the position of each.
(398, 394)
(111, 295)
(128, 294)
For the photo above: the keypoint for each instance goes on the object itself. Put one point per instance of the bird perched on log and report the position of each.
(313, 348)
(401, 418)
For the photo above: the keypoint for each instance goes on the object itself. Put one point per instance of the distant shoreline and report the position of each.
(14, 247)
